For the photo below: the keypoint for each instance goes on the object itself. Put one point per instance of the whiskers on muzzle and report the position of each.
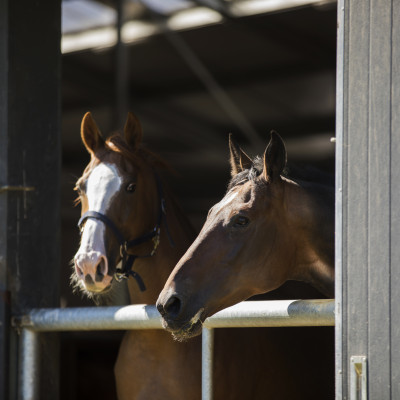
(191, 328)
(116, 295)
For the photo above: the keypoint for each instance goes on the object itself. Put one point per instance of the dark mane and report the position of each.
(296, 173)
(308, 173)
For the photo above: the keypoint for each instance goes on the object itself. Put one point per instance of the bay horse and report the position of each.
(268, 229)
(132, 226)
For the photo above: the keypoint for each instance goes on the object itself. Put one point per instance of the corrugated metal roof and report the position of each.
(82, 15)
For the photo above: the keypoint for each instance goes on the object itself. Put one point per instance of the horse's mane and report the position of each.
(294, 172)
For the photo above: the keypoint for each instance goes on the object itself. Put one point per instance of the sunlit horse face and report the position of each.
(111, 185)
(243, 249)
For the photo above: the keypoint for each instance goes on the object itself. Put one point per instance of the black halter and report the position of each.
(128, 259)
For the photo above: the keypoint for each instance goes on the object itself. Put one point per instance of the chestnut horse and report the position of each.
(132, 226)
(268, 229)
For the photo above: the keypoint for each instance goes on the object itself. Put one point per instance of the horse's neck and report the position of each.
(318, 273)
(155, 270)
(315, 244)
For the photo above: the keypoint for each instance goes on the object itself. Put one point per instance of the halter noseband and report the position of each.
(128, 259)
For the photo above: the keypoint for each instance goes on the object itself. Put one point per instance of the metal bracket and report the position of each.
(358, 378)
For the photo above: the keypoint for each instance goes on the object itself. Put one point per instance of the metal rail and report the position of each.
(282, 313)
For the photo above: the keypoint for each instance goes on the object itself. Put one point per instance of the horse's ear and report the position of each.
(274, 158)
(245, 160)
(133, 131)
(90, 134)
(239, 159)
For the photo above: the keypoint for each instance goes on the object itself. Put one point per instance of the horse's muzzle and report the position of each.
(176, 319)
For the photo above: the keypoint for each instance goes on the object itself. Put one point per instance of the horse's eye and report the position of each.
(240, 221)
(130, 187)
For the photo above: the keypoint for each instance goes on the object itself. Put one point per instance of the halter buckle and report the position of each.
(123, 250)
(156, 241)
(120, 276)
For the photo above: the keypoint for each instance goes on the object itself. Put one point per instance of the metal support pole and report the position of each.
(30, 165)
(250, 314)
(29, 365)
(121, 70)
(207, 363)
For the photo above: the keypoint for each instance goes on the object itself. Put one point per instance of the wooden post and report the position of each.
(30, 158)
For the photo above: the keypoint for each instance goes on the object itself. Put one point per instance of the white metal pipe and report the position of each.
(246, 314)
(92, 318)
(284, 313)
(207, 362)
(29, 365)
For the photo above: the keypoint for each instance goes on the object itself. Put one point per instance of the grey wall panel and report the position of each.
(395, 206)
(379, 199)
(356, 180)
(369, 246)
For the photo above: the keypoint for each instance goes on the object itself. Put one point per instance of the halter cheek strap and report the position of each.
(128, 259)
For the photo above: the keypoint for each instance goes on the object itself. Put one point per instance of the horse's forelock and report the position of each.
(248, 174)
(117, 143)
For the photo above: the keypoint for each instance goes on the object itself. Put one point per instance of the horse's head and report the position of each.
(245, 247)
(117, 187)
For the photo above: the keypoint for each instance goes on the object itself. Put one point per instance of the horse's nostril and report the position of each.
(79, 271)
(89, 280)
(101, 270)
(173, 306)
(160, 309)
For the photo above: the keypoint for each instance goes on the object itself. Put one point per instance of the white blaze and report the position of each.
(102, 185)
(225, 201)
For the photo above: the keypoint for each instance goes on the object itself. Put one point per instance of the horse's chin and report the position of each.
(89, 290)
(93, 291)
(187, 332)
